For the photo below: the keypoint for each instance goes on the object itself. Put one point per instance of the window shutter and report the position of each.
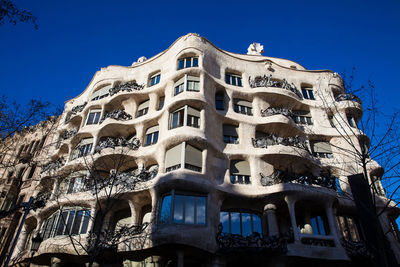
(322, 147)
(102, 91)
(180, 81)
(173, 156)
(86, 141)
(144, 105)
(193, 156)
(240, 167)
(302, 113)
(243, 103)
(152, 129)
(230, 130)
(193, 112)
(193, 78)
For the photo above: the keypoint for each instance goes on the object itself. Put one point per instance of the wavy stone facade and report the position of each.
(245, 158)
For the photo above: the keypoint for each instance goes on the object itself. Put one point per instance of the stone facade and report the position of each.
(239, 161)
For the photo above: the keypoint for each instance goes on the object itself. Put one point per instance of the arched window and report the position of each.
(242, 106)
(233, 79)
(101, 93)
(73, 221)
(75, 183)
(240, 172)
(151, 135)
(321, 149)
(83, 148)
(143, 108)
(230, 134)
(219, 101)
(240, 223)
(188, 62)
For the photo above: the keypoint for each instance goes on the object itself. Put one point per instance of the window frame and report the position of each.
(308, 93)
(96, 116)
(182, 160)
(233, 79)
(242, 109)
(183, 86)
(155, 79)
(171, 216)
(187, 120)
(240, 211)
(194, 62)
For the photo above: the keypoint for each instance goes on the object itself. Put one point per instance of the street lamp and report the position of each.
(36, 241)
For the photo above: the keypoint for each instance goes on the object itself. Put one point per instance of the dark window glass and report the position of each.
(161, 102)
(181, 64)
(166, 210)
(178, 209)
(195, 62)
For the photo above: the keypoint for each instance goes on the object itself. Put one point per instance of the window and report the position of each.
(188, 62)
(318, 226)
(143, 108)
(308, 93)
(348, 228)
(302, 117)
(151, 135)
(351, 121)
(187, 83)
(219, 101)
(185, 116)
(243, 107)
(93, 117)
(184, 155)
(183, 209)
(338, 187)
(101, 93)
(321, 150)
(75, 183)
(240, 172)
(233, 79)
(32, 171)
(161, 101)
(73, 221)
(83, 148)
(230, 134)
(155, 79)
(240, 223)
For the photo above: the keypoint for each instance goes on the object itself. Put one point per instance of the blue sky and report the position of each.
(77, 38)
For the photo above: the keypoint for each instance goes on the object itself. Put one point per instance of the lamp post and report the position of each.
(36, 241)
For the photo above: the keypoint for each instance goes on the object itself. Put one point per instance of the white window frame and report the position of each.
(97, 116)
(191, 61)
(233, 79)
(155, 79)
(188, 120)
(184, 86)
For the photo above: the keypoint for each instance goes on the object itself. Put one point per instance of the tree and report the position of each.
(9, 12)
(18, 159)
(108, 176)
(363, 141)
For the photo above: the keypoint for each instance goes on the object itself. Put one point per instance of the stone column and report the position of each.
(92, 218)
(291, 203)
(134, 212)
(180, 258)
(269, 213)
(333, 230)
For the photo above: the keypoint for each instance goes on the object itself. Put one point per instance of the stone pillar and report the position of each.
(55, 262)
(93, 217)
(269, 213)
(291, 203)
(333, 230)
(218, 261)
(134, 212)
(180, 258)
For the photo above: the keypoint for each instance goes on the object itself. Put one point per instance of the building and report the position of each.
(228, 159)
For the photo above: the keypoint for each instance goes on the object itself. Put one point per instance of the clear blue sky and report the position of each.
(77, 38)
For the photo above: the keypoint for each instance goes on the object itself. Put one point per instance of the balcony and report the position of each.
(278, 177)
(268, 81)
(348, 97)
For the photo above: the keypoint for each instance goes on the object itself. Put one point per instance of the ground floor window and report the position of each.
(183, 209)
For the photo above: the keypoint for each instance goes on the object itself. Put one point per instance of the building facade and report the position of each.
(227, 159)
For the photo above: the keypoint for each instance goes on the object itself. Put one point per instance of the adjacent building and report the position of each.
(227, 159)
